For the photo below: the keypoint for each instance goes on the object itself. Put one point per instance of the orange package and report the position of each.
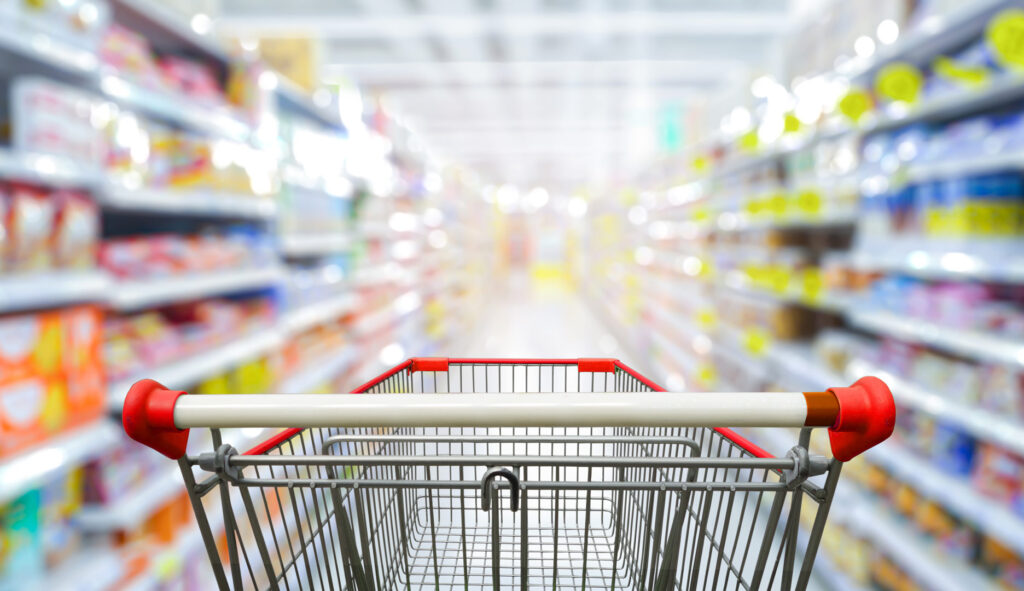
(32, 409)
(83, 363)
(30, 345)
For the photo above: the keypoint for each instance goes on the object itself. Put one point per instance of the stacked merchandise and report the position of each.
(865, 220)
(150, 227)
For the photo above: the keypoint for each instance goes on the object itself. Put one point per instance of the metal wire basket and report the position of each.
(575, 474)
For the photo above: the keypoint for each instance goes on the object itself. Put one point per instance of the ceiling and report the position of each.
(555, 93)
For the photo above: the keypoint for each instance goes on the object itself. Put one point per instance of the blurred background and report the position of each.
(257, 196)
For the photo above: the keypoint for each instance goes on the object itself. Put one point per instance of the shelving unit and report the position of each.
(138, 294)
(44, 169)
(720, 214)
(312, 315)
(313, 245)
(52, 290)
(40, 463)
(975, 344)
(194, 368)
(320, 370)
(179, 202)
(983, 424)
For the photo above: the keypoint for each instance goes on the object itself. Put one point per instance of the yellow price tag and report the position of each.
(808, 202)
(707, 319)
(701, 214)
(779, 278)
(967, 75)
(791, 124)
(700, 164)
(706, 374)
(855, 104)
(813, 281)
(756, 341)
(1005, 35)
(167, 566)
(748, 141)
(777, 204)
(900, 81)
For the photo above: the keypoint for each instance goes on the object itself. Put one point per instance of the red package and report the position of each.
(190, 77)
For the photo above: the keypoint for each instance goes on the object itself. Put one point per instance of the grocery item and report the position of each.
(21, 542)
(31, 410)
(30, 345)
(84, 367)
(55, 119)
(129, 55)
(1000, 474)
(30, 225)
(76, 231)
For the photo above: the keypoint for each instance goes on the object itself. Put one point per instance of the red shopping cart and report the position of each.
(502, 474)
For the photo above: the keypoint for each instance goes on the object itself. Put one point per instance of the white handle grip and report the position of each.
(646, 409)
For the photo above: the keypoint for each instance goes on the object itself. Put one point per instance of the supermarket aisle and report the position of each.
(531, 320)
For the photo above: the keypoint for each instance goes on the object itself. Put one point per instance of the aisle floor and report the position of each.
(531, 320)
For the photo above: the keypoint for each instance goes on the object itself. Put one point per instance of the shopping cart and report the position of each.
(547, 474)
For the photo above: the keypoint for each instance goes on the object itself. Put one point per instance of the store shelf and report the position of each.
(145, 293)
(969, 343)
(127, 512)
(904, 545)
(44, 169)
(51, 289)
(935, 35)
(954, 104)
(194, 368)
(800, 369)
(293, 98)
(308, 245)
(311, 315)
(947, 265)
(37, 465)
(680, 359)
(827, 571)
(91, 569)
(320, 370)
(189, 202)
(983, 424)
(834, 302)
(216, 120)
(22, 42)
(834, 218)
(953, 492)
(162, 21)
(976, 165)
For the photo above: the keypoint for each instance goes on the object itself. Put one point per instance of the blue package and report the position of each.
(953, 449)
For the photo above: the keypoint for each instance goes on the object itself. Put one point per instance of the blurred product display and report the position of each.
(179, 202)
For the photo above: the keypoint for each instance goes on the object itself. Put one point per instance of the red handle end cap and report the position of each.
(867, 417)
(148, 417)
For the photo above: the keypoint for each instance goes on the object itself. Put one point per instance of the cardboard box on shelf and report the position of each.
(31, 410)
(30, 345)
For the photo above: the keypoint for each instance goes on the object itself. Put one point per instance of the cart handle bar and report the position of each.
(858, 417)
